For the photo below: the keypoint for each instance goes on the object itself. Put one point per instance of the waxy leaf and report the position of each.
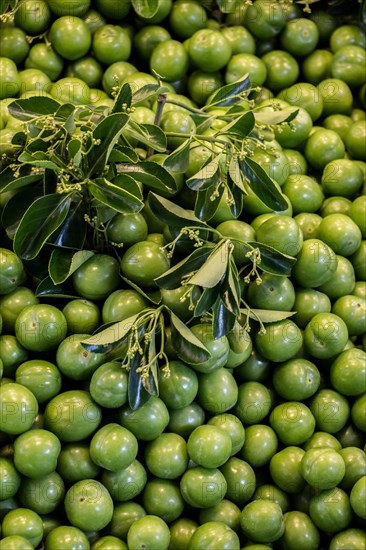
(9, 182)
(223, 319)
(63, 263)
(208, 176)
(16, 207)
(123, 99)
(107, 133)
(33, 107)
(206, 300)
(47, 289)
(41, 219)
(171, 213)
(178, 160)
(148, 92)
(183, 269)
(273, 261)
(149, 134)
(151, 175)
(137, 393)
(267, 315)
(214, 268)
(102, 341)
(262, 185)
(115, 196)
(123, 154)
(72, 231)
(241, 126)
(186, 344)
(230, 94)
(270, 118)
(207, 202)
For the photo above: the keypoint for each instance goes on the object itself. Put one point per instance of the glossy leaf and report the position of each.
(214, 268)
(74, 148)
(151, 175)
(273, 261)
(223, 320)
(236, 174)
(72, 231)
(270, 118)
(152, 296)
(41, 219)
(63, 263)
(9, 182)
(137, 393)
(267, 315)
(262, 185)
(207, 202)
(39, 159)
(115, 196)
(178, 160)
(206, 300)
(16, 207)
(148, 92)
(123, 99)
(33, 107)
(123, 154)
(241, 126)
(174, 277)
(171, 213)
(107, 133)
(113, 334)
(47, 289)
(149, 134)
(230, 94)
(207, 176)
(187, 346)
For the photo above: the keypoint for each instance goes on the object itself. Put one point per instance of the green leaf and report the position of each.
(41, 219)
(271, 118)
(148, 134)
(208, 176)
(178, 160)
(107, 133)
(267, 315)
(205, 207)
(47, 289)
(33, 107)
(229, 94)
(74, 148)
(223, 319)
(151, 175)
(149, 91)
(187, 346)
(137, 393)
(16, 207)
(114, 195)
(175, 275)
(123, 154)
(63, 263)
(214, 268)
(273, 261)
(236, 174)
(262, 185)
(206, 301)
(39, 159)
(9, 182)
(72, 231)
(124, 98)
(171, 213)
(145, 8)
(241, 126)
(230, 291)
(102, 341)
